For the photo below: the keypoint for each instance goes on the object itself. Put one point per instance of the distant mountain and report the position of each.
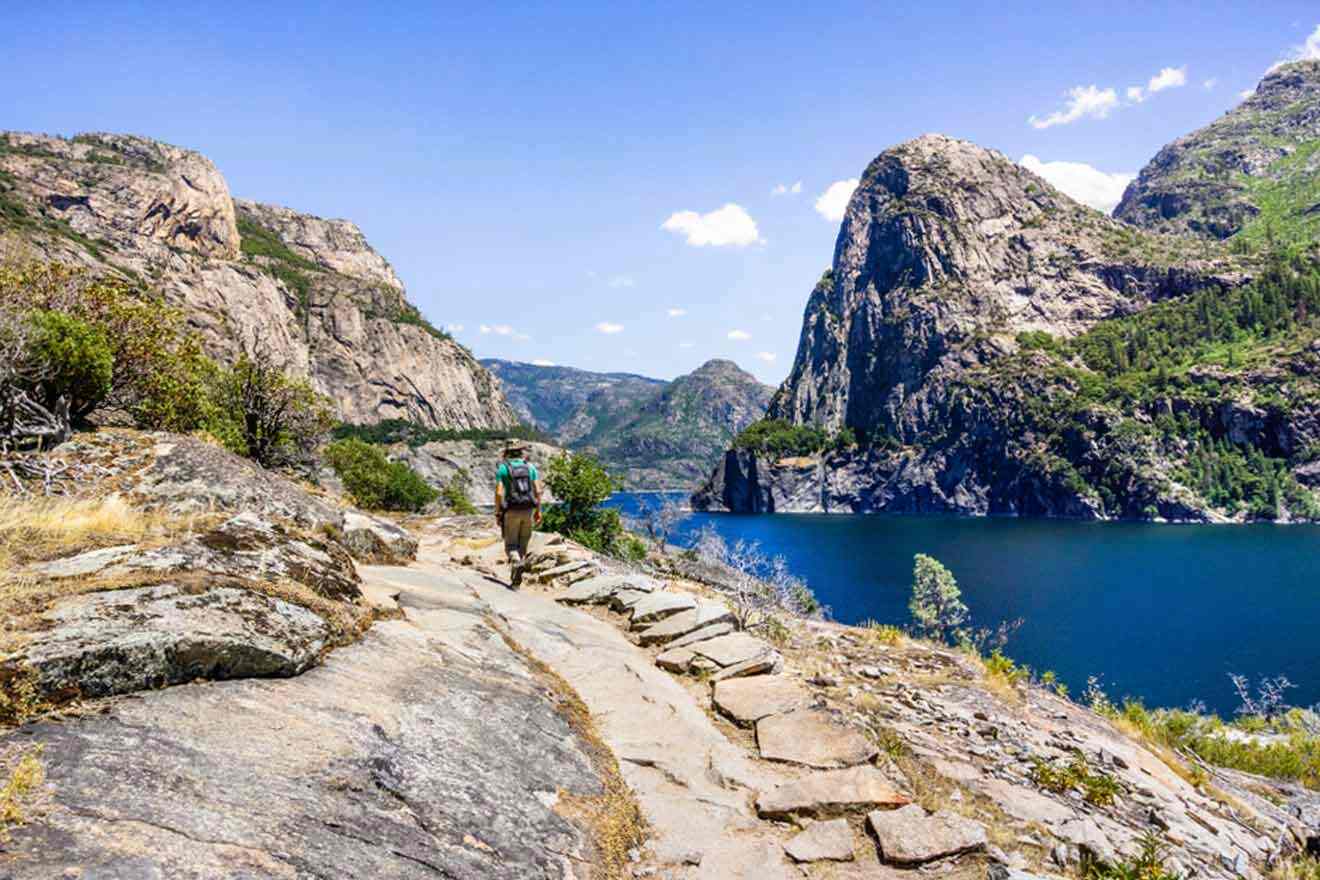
(655, 435)
(569, 403)
(1253, 173)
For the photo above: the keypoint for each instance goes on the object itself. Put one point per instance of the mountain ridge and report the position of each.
(652, 434)
(314, 292)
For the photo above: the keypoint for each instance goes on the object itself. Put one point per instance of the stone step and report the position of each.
(684, 622)
(813, 738)
(747, 700)
(822, 841)
(831, 793)
(714, 630)
(908, 837)
(593, 589)
(733, 649)
(659, 605)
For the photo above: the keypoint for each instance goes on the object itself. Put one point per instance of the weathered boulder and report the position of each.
(907, 836)
(189, 476)
(138, 639)
(377, 541)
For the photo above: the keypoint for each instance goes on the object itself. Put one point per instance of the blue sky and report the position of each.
(517, 164)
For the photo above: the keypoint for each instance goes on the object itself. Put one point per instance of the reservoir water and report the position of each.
(1162, 612)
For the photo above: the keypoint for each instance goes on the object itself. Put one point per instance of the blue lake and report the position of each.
(1161, 612)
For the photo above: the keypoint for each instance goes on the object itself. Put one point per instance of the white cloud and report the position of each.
(1306, 51)
(1136, 94)
(677, 313)
(622, 281)
(1246, 93)
(453, 328)
(497, 329)
(1168, 78)
(739, 335)
(521, 337)
(1088, 185)
(607, 328)
(686, 344)
(1210, 83)
(783, 189)
(767, 356)
(833, 203)
(1083, 102)
(729, 225)
(542, 362)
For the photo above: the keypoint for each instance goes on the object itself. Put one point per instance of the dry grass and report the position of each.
(613, 818)
(20, 696)
(21, 777)
(46, 528)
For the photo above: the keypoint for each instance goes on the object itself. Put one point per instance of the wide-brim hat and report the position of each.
(512, 447)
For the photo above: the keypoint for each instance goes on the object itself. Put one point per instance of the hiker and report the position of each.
(517, 505)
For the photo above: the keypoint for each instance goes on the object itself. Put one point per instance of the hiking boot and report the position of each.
(517, 574)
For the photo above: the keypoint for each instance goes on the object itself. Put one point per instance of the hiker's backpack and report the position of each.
(521, 494)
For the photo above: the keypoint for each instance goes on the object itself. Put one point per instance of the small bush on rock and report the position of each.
(581, 484)
(265, 413)
(936, 603)
(73, 358)
(375, 482)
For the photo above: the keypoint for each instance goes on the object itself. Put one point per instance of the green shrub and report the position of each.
(375, 482)
(455, 495)
(581, 484)
(74, 359)
(158, 373)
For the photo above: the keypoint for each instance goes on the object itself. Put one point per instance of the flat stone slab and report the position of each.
(627, 598)
(907, 836)
(812, 737)
(706, 632)
(684, 622)
(675, 659)
(567, 568)
(830, 793)
(822, 841)
(660, 605)
(765, 663)
(748, 700)
(733, 649)
(592, 589)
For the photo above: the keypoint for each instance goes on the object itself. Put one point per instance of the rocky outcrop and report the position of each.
(1254, 167)
(393, 760)
(946, 253)
(653, 435)
(312, 290)
(933, 359)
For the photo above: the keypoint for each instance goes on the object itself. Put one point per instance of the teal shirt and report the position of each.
(502, 473)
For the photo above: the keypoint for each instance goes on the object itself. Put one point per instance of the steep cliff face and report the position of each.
(312, 290)
(946, 253)
(1255, 171)
(983, 344)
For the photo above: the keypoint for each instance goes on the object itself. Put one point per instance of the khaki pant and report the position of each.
(517, 534)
